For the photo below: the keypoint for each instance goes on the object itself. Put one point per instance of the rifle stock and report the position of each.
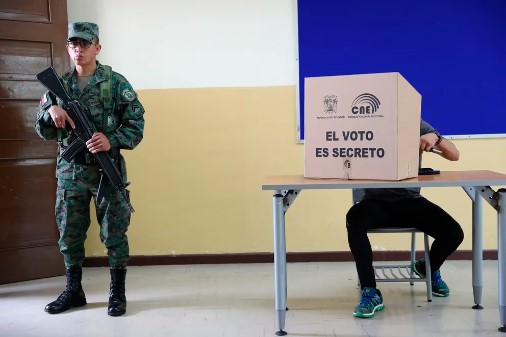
(84, 130)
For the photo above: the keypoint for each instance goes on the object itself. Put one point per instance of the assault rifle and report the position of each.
(84, 130)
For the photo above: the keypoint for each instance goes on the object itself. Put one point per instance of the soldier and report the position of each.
(117, 114)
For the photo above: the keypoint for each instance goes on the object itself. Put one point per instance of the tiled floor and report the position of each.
(238, 300)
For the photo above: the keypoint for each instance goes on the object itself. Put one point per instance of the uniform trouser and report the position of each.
(415, 212)
(73, 198)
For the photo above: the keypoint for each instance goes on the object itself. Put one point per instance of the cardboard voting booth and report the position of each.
(361, 127)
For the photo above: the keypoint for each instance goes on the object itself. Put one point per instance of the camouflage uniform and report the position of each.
(122, 121)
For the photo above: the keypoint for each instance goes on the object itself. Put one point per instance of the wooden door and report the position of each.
(32, 37)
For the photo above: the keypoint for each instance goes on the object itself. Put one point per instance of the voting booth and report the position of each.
(361, 127)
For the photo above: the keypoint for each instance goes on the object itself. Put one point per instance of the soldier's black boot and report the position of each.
(117, 298)
(72, 296)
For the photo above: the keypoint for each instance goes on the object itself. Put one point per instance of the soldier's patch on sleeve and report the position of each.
(45, 101)
(128, 95)
(136, 107)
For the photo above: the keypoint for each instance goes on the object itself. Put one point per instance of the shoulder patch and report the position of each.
(43, 100)
(136, 107)
(46, 101)
(128, 95)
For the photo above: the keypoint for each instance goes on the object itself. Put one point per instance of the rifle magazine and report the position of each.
(73, 149)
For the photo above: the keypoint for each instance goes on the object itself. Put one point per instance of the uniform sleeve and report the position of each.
(44, 125)
(131, 111)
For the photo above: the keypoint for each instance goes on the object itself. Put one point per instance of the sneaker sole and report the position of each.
(440, 295)
(376, 308)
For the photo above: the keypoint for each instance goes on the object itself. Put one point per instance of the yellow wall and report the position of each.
(196, 178)
(220, 99)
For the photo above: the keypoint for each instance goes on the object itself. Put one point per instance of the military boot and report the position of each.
(72, 296)
(117, 299)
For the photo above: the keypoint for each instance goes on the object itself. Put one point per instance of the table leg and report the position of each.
(477, 246)
(279, 262)
(501, 256)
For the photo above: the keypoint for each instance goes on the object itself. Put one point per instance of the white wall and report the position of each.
(195, 43)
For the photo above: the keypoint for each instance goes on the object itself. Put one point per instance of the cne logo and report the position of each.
(330, 104)
(365, 104)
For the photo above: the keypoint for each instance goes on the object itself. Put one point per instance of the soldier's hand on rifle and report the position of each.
(98, 143)
(60, 117)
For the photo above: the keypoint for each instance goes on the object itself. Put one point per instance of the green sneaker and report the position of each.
(370, 302)
(439, 287)
(419, 268)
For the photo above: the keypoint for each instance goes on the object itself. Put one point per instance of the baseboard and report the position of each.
(150, 260)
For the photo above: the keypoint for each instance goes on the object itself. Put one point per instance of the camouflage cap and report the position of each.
(83, 30)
